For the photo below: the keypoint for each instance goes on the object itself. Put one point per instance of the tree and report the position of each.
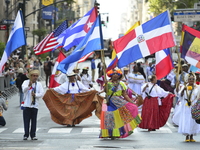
(2, 48)
(159, 6)
(40, 33)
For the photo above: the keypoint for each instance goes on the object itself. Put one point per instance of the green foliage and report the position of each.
(2, 47)
(43, 56)
(39, 32)
(158, 6)
(66, 11)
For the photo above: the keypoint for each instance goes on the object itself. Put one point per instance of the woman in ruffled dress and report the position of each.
(119, 116)
(188, 96)
(157, 105)
(86, 78)
(135, 80)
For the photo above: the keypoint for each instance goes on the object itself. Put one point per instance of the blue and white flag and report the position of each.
(16, 39)
(77, 31)
(90, 43)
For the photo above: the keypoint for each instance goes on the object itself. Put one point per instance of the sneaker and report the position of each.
(34, 138)
(25, 138)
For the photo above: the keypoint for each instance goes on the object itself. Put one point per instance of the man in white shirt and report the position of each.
(71, 86)
(32, 90)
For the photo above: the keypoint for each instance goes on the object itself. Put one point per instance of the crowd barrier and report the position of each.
(7, 89)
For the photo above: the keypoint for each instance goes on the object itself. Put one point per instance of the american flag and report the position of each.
(49, 43)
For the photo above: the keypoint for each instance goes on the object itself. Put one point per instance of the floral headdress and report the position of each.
(111, 72)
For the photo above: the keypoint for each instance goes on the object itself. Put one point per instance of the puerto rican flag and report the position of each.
(144, 40)
(164, 63)
(56, 74)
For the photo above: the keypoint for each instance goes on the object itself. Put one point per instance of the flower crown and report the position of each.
(111, 72)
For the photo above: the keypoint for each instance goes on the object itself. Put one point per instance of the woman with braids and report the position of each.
(156, 107)
(86, 78)
(188, 96)
(119, 116)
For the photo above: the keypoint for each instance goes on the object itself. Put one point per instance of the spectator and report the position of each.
(3, 106)
(93, 67)
(47, 69)
(19, 81)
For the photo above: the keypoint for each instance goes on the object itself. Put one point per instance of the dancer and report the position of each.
(188, 96)
(119, 115)
(157, 105)
(72, 102)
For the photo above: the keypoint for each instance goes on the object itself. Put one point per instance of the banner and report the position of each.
(47, 2)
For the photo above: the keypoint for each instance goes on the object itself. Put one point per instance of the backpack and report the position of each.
(46, 66)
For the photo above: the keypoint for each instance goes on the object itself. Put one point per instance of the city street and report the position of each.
(52, 136)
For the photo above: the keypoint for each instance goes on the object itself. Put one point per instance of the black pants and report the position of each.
(47, 80)
(30, 116)
(2, 121)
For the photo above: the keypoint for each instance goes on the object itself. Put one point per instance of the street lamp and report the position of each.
(7, 25)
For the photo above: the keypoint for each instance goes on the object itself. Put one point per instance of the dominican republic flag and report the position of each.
(144, 40)
(190, 50)
(16, 39)
(91, 42)
(56, 74)
(77, 31)
(114, 62)
(164, 63)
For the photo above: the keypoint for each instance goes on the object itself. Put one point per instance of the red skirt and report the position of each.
(153, 115)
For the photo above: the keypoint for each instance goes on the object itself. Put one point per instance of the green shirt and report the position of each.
(119, 90)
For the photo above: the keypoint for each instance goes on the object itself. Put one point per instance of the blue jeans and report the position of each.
(21, 95)
(30, 116)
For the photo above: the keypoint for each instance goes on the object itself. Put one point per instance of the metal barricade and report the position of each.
(6, 88)
(2, 83)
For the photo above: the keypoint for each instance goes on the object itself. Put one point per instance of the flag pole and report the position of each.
(103, 56)
(179, 67)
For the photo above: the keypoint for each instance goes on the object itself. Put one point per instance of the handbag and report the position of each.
(195, 111)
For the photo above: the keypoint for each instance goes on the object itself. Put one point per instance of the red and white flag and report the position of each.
(56, 74)
(164, 63)
(85, 57)
(50, 43)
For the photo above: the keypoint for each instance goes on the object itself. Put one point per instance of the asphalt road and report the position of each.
(52, 136)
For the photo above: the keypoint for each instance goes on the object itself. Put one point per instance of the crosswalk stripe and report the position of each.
(84, 130)
(170, 125)
(3, 129)
(60, 130)
(166, 129)
(21, 130)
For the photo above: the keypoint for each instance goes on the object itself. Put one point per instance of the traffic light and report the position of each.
(21, 6)
(97, 5)
(107, 19)
(103, 23)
